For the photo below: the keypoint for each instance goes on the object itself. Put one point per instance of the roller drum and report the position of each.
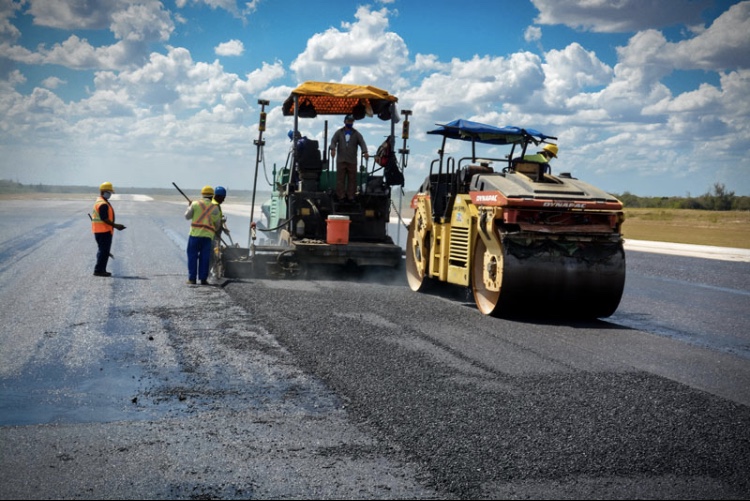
(584, 280)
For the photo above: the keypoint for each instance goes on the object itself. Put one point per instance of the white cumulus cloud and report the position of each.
(230, 48)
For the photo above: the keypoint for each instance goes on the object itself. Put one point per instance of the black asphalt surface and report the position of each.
(351, 387)
(488, 412)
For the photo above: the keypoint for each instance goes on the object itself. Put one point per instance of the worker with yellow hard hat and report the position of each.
(103, 226)
(547, 153)
(550, 150)
(205, 217)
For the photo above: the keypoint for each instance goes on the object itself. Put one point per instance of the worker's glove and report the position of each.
(119, 226)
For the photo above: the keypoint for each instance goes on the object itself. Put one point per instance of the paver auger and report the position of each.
(525, 241)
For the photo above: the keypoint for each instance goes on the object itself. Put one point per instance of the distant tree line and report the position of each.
(12, 187)
(718, 199)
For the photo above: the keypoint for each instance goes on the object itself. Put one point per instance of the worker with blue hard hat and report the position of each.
(220, 193)
(292, 135)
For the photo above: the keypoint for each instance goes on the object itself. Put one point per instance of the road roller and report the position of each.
(525, 241)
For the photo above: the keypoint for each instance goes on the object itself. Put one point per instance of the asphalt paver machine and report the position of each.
(304, 226)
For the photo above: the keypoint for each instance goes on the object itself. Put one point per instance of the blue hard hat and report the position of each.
(290, 134)
(220, 191)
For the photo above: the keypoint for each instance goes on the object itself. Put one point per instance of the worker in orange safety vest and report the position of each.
(103, 226)
(205, 224)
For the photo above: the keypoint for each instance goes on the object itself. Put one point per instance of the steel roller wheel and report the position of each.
(487, 300)
(417, 254)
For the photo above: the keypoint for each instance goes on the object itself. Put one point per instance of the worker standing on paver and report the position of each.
(344, 143)
(205, 224)
(103, 226)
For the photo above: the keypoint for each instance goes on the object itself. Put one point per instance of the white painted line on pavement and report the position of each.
(690, 250)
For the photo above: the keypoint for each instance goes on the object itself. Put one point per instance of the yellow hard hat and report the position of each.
(207, 191)
(552, 148)
(107, 186)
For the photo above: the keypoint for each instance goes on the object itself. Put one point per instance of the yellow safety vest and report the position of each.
(97, 225)
(204, 220)
(537, 158)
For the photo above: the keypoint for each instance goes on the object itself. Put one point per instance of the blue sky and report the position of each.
(651, 98)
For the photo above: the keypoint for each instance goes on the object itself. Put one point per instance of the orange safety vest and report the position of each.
(97, 225)
(202, 226)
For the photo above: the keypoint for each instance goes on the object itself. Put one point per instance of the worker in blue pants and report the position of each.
(205, 217)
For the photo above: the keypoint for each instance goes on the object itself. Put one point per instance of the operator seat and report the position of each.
(533, 170)
(309, 164)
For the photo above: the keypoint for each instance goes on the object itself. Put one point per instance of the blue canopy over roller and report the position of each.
(467, 130)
